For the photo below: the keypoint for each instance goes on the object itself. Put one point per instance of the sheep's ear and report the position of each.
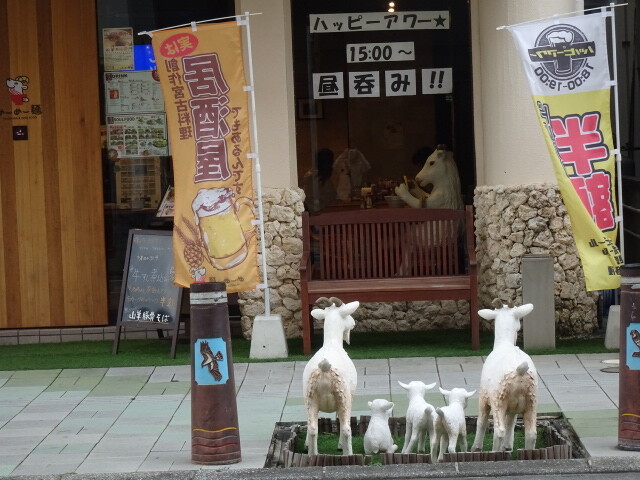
(318, 313)
(470, 394)
(391, 405)
(487, 314)
(403, 385)
(523, 310)
(349, 308)
(370, 404)
(431, 385)
(445, 392)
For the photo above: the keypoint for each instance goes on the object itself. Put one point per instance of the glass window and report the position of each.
(376, 92)
(137, 165)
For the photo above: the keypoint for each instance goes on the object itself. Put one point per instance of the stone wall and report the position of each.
(515, 220)
(283, 243)
(510, 222)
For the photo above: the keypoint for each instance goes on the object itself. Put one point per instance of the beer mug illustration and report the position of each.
(216, 215)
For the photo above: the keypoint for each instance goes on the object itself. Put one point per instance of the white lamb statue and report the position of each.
(450, 422)
(378, 435)
(420, 417)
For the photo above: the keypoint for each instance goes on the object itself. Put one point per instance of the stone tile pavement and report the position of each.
(110, 420)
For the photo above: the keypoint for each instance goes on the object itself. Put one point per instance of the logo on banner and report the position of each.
(562, 52)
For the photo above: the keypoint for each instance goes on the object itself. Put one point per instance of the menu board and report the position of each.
(133, 92)
(148, 297)
(143, 135)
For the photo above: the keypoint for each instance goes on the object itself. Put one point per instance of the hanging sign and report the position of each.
(566, 64)
(202, 76)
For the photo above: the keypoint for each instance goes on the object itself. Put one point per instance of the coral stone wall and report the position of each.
(510, 221)
(282, 210)
(515, 220)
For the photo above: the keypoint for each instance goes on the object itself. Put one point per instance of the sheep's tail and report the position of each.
(439, 412)
(324, 365)
(522, 368)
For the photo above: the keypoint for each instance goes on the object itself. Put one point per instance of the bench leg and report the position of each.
(475, 320)
(307, 329)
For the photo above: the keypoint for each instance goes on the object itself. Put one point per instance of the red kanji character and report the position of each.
(595, 193)
(185, 133)
(170, 49)
(211, 161)
(208, 117)
(579, 141)
(203, 75)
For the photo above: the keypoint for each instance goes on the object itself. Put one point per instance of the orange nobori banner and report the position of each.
(202, 76)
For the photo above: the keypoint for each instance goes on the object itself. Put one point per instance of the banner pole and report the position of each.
(614, 46)
(256, 162)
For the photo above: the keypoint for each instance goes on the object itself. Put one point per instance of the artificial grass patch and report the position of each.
(328, 443)
(155, 352)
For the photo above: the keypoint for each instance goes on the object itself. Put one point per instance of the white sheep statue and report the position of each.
(450, 423)
(329, 379)
(378, 437)
(508, 383)
(420, 417)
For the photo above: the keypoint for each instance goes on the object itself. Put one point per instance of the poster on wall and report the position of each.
(117, 48)
(202, 77)
(133, 92)
(142, 135)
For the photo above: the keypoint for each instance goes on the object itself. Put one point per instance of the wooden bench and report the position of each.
(389, 255)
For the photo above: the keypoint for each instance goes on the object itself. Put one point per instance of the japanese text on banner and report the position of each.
(202, 77)
(567, 68)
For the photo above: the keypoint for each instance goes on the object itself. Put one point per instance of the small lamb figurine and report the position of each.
(378, 436)
(420, 416)
(450, 422)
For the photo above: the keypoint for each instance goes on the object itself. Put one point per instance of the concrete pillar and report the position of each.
(539, 327)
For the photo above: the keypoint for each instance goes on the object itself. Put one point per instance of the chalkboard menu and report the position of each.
(148, 297)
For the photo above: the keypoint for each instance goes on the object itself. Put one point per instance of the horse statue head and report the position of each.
(440, 170)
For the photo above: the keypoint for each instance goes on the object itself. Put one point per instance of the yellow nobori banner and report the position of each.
(566, 65)
(202, 76)
(586, 181)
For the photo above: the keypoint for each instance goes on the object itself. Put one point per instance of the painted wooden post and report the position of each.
(215, 438)
(629, 379)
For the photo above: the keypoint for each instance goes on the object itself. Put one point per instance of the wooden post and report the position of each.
(215, 438)
(629, 380)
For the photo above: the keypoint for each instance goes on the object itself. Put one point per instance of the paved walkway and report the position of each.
(108, 420)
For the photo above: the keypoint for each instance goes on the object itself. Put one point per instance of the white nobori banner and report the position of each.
(564, 55)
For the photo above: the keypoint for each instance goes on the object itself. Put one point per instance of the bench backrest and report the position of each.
(386, 243)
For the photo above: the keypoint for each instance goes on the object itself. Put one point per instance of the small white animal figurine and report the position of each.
(509, 382)
(378, 435)
(450, 422)
(420, 417)
(439, 170)
(329, 379)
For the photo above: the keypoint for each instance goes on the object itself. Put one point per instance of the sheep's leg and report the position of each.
(344, 415)
(499, 429)
(421, 441)
(463, 433)
(481, 426)
(443, 446)
(407, 438)
(312, 428)
(509, 429)
(413, 439)
(530, 432)
(432, 434)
